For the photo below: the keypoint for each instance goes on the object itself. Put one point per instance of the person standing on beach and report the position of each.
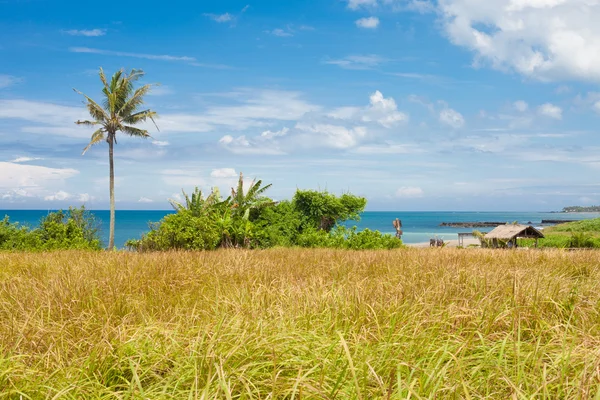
(398, 225)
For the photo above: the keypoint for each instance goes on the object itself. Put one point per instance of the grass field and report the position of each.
(301, 324)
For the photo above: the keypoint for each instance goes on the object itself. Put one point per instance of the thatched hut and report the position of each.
(507, 235)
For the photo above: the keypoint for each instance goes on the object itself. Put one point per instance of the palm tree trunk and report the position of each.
(111, 235)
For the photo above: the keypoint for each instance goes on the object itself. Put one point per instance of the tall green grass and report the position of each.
(300, 324)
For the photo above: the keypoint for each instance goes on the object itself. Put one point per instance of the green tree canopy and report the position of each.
(323, 209)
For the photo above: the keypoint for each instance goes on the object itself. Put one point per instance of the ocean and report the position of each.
(417, 226)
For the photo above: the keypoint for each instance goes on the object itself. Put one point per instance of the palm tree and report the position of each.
(251, 200)
(120, 110)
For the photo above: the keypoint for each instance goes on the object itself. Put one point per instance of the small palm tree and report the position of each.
(120, 110)
(243, 203)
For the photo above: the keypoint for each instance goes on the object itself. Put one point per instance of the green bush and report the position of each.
(250, 220)
(348, 238)
(60, 230)
(182, 230)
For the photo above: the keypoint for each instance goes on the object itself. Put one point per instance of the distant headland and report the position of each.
(580, 209)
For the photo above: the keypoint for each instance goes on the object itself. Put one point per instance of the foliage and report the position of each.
(278, 226)
(72, 229)
(300, 324)
(571, 209)
(587, 225)
(182, 230)
(120, 111)
(248, 219)
(324, 210)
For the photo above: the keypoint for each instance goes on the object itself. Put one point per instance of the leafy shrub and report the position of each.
(182, 230)
(72, 229)
(277, 226)
(16, 237)
(582, 240)
(344, 238)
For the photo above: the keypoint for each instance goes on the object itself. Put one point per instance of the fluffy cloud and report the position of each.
(340, 128)
(368, 22)
(452, 118)
(61, 195)
(334, 136)
(409, 192)
(145, 200)
(521, 106)
(160, 143)
(381, 110)
(274, 134)
(221, 173)
(541, 39)
(31, 176)
(550, 110)
(86, 32)
(219, 17)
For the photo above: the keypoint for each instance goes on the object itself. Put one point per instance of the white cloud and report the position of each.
(160, 143)
(367, 22)
(409, 192)
(145, 200)
(254, 108)
(226, 17)
(243, 145)
(24, 159)
(521, 106)
(356, 4)
(334, 136)
(358, 62)
(8, 80)
(223, 173)
(274, 134)
(58, 196)
(550, 110)
(381, 110)
(16, 194)
(452, 118)
(280, 32)
(84, 197)
(341, 128)
(86, 32)
(163, 57)
(30, 176)
(541, 39)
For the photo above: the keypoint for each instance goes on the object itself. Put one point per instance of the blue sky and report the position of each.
(415, 104)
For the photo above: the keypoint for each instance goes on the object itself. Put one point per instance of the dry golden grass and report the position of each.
(323, 324)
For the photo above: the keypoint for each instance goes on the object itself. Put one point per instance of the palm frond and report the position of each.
(97, 137)
(133, 131)
(87, 123)
(94, 108)
(136, 74)
(135, 101)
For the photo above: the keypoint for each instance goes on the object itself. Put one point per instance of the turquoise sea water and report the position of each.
(417, 226)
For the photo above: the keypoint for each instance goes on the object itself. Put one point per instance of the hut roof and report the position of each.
(511, 231)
